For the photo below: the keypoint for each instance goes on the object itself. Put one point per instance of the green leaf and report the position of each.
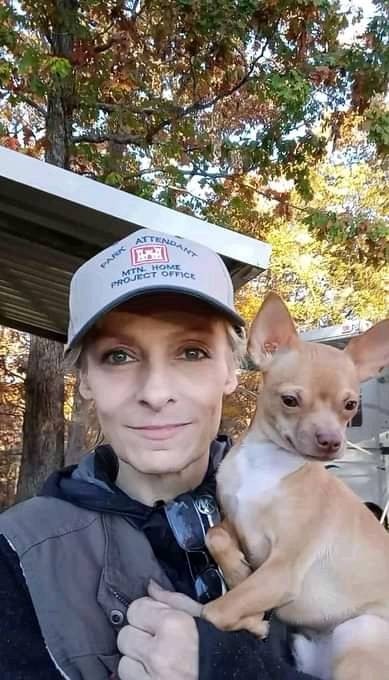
(29, 61)
(237, 203)
(60, 67)
(378, 122)
(113, 179)
(5, 72)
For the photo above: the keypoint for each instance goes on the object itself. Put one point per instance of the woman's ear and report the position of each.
(231, 380)
(84, 387)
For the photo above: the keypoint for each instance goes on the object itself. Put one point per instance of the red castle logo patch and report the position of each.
(150, 253)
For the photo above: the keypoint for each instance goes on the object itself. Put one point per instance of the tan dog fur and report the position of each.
(295, 539)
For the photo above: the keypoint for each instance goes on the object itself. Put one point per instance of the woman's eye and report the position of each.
(194, 354)
(117, 356)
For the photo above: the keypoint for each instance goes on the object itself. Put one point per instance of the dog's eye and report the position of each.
(350, 405)
(290, 401)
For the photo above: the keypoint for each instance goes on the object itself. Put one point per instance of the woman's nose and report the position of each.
(156, 387)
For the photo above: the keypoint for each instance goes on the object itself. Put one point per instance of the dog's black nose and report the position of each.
(328, 442)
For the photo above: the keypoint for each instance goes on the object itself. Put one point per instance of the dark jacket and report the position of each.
(72, 561)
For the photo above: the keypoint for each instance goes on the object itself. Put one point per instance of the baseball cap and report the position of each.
(144, 263)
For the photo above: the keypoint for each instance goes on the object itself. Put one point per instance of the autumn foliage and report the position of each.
(267, 117)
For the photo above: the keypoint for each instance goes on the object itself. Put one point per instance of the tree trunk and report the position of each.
(60, 103)
(77, 428)
(43, 421)
(43, 429)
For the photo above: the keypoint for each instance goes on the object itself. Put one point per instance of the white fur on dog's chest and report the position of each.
(258, 468)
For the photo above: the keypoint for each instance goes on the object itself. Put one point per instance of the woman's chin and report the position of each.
(161, 459)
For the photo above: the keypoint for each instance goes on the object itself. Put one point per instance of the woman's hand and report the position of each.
(160, 641)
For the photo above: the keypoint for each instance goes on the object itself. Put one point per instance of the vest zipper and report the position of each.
(121, 598)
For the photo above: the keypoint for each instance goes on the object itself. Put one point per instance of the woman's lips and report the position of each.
(159, 432)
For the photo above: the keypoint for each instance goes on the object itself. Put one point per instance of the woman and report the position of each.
(156, 338)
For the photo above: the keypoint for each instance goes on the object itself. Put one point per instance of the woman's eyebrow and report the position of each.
(186, 333)
(195, 328)
(115, 338)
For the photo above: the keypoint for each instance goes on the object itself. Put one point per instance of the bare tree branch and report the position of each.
(113, 108)
(186, 191)
(105, 46)
(11, 411)
(135, 7)
(201, 105)
(196, 172)
(177, 114)
(132, 175)
(105, 31)
(17, 376)
(180, 190)
(137, 10)
(268, 194)
(100, 137)
(30, 102)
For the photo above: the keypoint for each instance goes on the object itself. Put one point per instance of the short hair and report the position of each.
(238, 343)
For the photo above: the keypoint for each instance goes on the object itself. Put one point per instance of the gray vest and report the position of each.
(82, 569)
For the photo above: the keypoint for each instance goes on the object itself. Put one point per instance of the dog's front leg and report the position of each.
(223, 544)
(273, 585)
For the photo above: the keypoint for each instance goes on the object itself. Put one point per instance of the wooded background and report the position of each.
(270, 118)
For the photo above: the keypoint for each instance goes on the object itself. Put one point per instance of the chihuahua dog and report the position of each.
(294, 538)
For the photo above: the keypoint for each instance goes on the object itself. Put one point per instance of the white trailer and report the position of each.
(365, 464)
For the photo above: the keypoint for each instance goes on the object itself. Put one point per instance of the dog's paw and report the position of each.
(255, 625)
(216, 613)
(223, 620)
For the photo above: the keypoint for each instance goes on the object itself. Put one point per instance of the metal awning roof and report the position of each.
(52, 220)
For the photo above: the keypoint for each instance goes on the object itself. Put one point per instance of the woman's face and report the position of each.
(157, 370)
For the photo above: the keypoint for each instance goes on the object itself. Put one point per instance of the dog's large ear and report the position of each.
(272, 329)
(370, 351)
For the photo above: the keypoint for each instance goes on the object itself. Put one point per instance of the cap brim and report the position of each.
(224, 310)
